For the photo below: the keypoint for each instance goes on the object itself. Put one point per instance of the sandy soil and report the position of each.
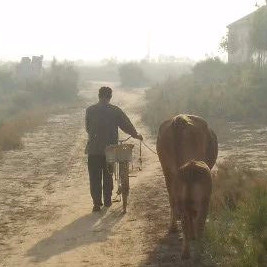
(45, 206)
(247, 144)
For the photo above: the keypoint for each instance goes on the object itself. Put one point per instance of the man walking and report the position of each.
(102, 123)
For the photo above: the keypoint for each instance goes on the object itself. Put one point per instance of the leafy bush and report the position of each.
(157, 72)
(59, 83)
(214, 90)
(132, 75)
(21, 99)
(104, 72)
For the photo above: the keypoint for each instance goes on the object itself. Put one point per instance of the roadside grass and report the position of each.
(12, 130)
(213, 90)
(236, 232)
(26, 102)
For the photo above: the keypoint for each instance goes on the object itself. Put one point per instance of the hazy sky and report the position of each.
(97, 29)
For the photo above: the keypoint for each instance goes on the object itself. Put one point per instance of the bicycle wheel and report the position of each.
(124, 177)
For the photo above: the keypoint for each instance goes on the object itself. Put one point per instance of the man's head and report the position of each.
(105, 94)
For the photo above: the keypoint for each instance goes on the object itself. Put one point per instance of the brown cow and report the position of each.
(194, 184)
(182, 139)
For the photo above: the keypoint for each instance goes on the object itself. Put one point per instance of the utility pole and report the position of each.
(149, 44)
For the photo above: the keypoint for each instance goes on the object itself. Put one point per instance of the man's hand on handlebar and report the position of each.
(139, 137)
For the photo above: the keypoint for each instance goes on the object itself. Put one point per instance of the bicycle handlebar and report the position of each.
(124, 140)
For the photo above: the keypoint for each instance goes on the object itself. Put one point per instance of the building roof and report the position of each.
(248, 18)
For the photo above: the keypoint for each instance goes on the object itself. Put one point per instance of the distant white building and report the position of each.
(30, 68)
(239, 43)
(37, 65)
(239, 39)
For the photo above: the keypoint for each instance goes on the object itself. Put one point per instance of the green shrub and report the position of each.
(132, 75)
(214, 90)
(236, 233)
(21, 99)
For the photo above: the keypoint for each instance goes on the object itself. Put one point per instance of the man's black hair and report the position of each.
(105, 92)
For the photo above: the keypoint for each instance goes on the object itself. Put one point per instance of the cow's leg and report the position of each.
(193, 226)
(201, 218)
(173, 221)
(173, 218)
(186, 236)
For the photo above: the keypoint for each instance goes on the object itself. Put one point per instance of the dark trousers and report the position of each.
(98, 172)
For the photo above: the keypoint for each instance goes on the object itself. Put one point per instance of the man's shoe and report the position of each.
(108, 204)
(96, 208)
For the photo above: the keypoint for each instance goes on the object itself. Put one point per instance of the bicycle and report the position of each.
(120, 156)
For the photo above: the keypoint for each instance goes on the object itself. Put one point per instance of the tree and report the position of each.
(229, 43)
(132, 75)
(223, 46)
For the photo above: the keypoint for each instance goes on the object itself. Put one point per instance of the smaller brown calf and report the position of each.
(195, 189)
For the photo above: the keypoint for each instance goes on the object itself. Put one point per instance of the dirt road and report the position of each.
(45, 205)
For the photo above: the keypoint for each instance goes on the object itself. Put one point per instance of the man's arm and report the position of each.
(126, 125)
(87, 121)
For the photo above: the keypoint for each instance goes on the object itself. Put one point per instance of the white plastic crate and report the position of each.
(119, 153)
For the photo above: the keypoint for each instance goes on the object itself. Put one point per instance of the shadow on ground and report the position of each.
(167, 253)
(162, 248)
(92, 228)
